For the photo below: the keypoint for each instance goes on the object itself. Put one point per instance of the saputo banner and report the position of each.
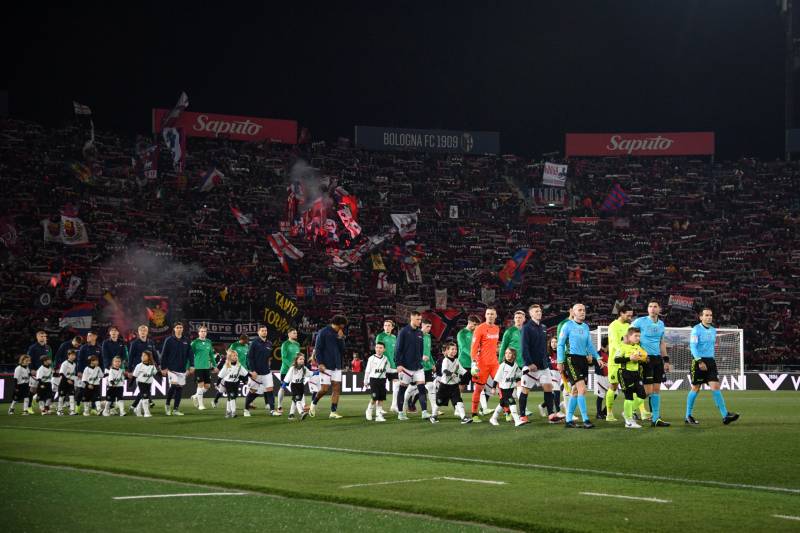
(231, 126)
(414, 140)
(640, 144)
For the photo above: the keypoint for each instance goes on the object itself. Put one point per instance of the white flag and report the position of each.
(81, 109)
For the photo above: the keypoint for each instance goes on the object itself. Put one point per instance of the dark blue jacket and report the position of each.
(176, 354)
(534, 345)
(258, 356)
(329, 348)
(113, 349)
(86, 351)
(36, 351)
(408, 349)
(135, 349)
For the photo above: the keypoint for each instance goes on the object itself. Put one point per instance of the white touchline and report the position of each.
(656, 500)
(183, 495)
(448, 478)
(786, 517)
(470, 460)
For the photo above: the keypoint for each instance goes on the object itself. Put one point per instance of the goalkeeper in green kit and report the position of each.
(289, 350)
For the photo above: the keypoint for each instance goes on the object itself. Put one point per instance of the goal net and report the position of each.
(729, 350)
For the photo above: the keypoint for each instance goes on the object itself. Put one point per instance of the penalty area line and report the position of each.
(623, 497)
(420, 480)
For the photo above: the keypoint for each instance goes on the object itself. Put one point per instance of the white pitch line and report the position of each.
(387, 483)
(402, 455)
(484, 481)
(183, 495)
(622, 497)
(786, 517)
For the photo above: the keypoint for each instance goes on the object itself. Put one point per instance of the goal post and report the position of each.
(728, 351)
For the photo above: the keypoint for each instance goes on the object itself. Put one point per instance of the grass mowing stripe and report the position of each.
(623, 497)
(293, 497)
(566, 469)
(181, 495)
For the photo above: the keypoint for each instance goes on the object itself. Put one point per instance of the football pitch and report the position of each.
(202, 470)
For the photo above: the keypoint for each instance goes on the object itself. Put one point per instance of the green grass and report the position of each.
(715, 477)
(89, 497)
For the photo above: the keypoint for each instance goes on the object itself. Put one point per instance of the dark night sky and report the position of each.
(532, 70)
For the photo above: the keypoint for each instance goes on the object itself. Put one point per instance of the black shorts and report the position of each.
(699, 377)
(392, 375)
(630, 381)
(66, 389)
(21, 392)
(507, 398)
(377, 389)
(45, 391)
(466, 379)
(653, 370)
(203, 375)
(298, 390)
(113, 393)
(577, 369)
(144, 389)
(91, 395)
(232, 388)
(448, 393)
(429, 376)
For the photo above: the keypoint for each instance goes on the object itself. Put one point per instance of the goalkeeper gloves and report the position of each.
(474, 370)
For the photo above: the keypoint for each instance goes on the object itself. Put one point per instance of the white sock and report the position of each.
(435, 410)
(515, 413)
(483, 402)
(411, 391)
(230, 406)
(459, 411)
(121, 406)
(292, 409)
(60, 403)
(280, 398)
(13, 403)
(300, 407)
(497, 411)
(370, 406)
(26, 403)
(431, 388)
(72, 403)
(145, 405)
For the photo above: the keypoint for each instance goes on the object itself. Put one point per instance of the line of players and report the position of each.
(519, 364)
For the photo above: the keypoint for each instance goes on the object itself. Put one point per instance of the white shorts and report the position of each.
(407, 377)
(555, 377)
(261, 386)
(600, 385)
(176, 378)
(538, 378)
(328, 376)
(313, 384)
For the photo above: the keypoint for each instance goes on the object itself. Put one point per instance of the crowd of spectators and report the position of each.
(724, 234)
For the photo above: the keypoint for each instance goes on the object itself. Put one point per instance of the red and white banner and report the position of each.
(283, 249)
(681, 302)
(640, 144)
(230, 126)
(554, 175)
